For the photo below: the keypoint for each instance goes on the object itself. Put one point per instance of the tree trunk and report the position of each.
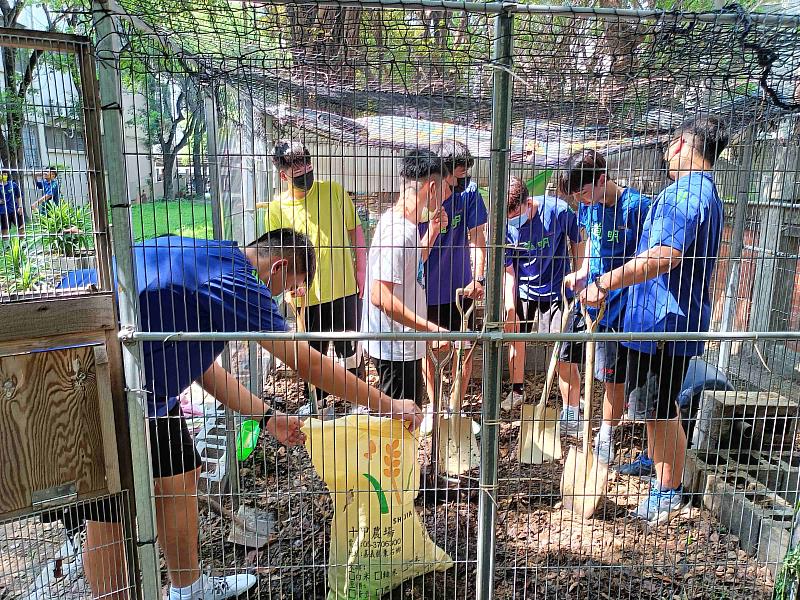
(169, 174)
(198, 173)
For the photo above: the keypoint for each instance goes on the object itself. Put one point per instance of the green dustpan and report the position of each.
(537, 186)
(247, 440)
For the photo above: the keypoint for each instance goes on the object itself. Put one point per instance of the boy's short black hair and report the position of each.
(707, 134)
(288, 153)
(421, 164)
(518, 194)
(581, 168)
(52, 169)
(292, 245)
(455, 154)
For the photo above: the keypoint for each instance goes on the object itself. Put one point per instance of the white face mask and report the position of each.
(519, 220)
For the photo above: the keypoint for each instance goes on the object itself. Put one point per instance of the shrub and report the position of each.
(64, 229)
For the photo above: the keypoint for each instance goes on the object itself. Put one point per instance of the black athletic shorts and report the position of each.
(172, 453)
(547, 313)
(401, 379)
(610, 357)
(447, 315)
(7, 219)
(654, 383)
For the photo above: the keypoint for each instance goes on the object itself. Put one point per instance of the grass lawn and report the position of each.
(191, 219)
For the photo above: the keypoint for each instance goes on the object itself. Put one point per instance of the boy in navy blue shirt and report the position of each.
(51, 194)
(10, 205)
(187, 284)
(457, 257)
(610, 218)
(670, 282)
(541, 237)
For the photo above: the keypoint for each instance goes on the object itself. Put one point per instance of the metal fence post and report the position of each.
(108, 48)
(492, 371)
(736, 246)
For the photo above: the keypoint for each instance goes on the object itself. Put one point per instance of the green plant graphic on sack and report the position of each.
(377, 539)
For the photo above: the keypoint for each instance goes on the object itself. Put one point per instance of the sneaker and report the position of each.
(642, 466)
(512, 401)
(659, 506)
(218, 588)
(426, 428)
(569, 424)
(604, 451)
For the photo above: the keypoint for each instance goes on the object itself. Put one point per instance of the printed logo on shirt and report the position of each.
(542, 243)
(421, 273)
(453, 225)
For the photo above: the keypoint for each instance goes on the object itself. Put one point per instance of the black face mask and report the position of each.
(462, 183)
(304, 181)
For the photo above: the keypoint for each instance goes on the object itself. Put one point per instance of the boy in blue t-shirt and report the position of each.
(193, 285)
(541, 237)
(610, 218)
(10, 205)
(670, 283)
(457, 257)
(51, 195)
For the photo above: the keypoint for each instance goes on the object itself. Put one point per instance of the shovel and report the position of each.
(584, 481)
(440, 362)
(458, 448)
(326, 414)
(540, 435)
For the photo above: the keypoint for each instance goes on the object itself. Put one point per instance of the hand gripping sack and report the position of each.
(377, 540)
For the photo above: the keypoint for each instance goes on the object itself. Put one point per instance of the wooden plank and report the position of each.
(45, 318)
(41, 40)
(55, 341)
(105, 402)
(50, 430)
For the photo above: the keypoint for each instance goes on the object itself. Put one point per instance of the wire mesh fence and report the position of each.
(442, 141)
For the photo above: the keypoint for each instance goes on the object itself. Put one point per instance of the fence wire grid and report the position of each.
(485, 498)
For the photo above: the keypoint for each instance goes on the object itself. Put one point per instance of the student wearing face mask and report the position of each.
(457, 255)
(542, 236)
(10, 205)
(323, 211)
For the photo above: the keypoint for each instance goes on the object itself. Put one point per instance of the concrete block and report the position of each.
(746, 421)
(788, 465)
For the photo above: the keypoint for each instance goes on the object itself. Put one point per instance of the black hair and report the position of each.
(455, 154)
(288, 153)
(707, 134)
(421, 164)
(517, 194)
(581, 168)
(292, 245)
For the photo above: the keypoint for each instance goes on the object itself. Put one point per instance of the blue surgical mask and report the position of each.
(519, 220)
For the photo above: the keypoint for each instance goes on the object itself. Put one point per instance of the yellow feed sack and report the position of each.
(377, 540)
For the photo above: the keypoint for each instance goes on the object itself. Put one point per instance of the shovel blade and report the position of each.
(583, 483)
(540, 439)
(259, 530)
(458, 447)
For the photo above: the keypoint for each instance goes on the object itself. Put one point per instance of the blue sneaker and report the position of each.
(642, 466)
(659, 506)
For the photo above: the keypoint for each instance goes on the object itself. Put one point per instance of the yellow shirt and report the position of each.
(326, 214)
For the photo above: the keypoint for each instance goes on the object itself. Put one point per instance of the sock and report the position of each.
(573, 413)
(518, 388)
(606, 432)
(188, 592)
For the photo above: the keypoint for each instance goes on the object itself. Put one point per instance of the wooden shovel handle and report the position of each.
(588, 376)
(567, 309)
(300, 318)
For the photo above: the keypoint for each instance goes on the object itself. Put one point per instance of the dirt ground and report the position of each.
(542, 551)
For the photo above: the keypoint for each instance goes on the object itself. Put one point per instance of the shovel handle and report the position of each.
(567, 308)
(300, 318)
(588, 382)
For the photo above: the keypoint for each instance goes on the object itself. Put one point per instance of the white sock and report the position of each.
(188, 592)
(606, 432)
(572, 413)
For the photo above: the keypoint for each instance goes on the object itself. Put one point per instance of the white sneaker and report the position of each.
(426, 427)
(604, 451)
(217, 588)
(512, 401)
(569, 424)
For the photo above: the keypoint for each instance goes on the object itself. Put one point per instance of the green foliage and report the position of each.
(179, 218)
(17, 272)
(64, 229)
(788, 578)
